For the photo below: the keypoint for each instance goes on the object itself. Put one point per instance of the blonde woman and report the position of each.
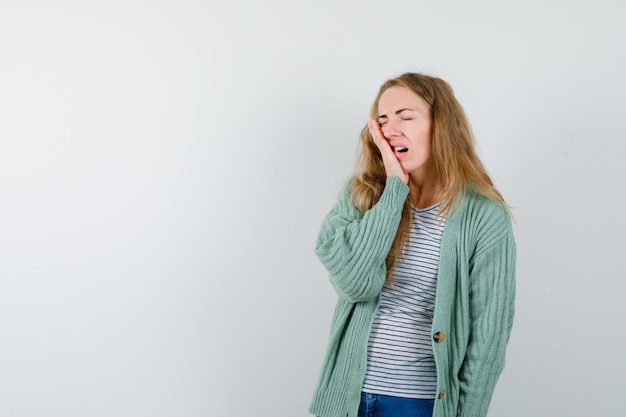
(420, 251)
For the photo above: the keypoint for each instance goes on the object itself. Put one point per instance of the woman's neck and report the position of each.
(424, 190)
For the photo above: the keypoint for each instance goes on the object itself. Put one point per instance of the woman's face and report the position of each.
(406, 123)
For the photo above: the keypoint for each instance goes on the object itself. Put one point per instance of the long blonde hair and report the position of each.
(456, 163)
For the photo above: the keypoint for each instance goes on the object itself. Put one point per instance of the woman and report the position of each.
(420, 251)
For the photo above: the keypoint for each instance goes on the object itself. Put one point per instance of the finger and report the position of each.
(381, 142)
(378, 136)
(375, 130)
(392, 165)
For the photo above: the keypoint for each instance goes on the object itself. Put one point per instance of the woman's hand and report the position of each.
(391, 163)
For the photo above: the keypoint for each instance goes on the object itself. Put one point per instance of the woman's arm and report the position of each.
(491, 309)
(353, 247)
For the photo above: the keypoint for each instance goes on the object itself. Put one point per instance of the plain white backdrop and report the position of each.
(165, 166)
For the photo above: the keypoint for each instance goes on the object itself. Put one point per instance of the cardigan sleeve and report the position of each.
(491, 308)
(353, 247)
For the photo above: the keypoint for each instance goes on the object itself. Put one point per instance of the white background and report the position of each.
(165, 167)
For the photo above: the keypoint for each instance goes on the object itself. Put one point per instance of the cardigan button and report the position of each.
(442, 393)
(439, 337)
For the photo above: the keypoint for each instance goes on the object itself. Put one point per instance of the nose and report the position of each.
(391, 129)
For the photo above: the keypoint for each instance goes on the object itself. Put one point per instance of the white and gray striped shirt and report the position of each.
(400, 359)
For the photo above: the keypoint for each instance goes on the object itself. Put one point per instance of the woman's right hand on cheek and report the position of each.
(391, 163)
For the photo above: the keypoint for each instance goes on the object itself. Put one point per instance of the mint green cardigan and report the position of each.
(473, 309)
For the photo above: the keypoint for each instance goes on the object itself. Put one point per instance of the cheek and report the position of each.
(422, 140)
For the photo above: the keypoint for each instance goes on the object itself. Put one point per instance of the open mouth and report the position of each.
(400, 149)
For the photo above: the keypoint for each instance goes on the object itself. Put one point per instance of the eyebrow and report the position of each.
(396, 112)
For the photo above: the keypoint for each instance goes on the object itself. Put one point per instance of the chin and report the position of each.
(408, 168)
(414, 166)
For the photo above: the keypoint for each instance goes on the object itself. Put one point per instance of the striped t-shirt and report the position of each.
(400, 360)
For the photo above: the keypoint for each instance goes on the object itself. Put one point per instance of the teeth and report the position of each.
(401, 149)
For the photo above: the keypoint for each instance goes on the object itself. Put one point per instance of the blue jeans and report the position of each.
(377, 405)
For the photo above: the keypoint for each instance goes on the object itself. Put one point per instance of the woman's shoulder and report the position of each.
(483, 216)
(480, 221)
(475, 202)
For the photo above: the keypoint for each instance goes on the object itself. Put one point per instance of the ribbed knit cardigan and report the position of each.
(474, 302)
